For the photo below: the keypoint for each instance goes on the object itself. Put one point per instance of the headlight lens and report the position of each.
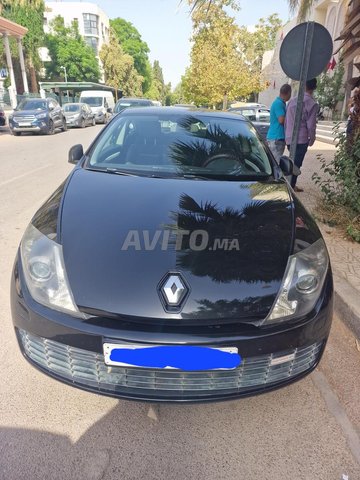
(44, 271)
(302, 284)
(41, 115)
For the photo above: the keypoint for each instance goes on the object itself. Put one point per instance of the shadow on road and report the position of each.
(266, 437)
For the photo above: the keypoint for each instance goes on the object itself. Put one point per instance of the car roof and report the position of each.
(165, 111)
(134, 98)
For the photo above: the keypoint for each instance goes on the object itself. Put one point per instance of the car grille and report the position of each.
(25, 118)
(87, 369)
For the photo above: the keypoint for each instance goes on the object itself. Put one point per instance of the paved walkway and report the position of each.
(345, 254)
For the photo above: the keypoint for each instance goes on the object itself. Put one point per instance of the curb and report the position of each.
(347, 304)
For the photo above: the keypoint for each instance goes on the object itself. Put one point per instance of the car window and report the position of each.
(249, 113)
(93, 101)
(264, 115)
(179, 145)
(71, 108)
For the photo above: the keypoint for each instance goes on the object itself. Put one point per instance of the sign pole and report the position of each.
(308, 43)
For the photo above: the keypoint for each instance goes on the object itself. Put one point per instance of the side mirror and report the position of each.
(109, 110)
(75, 154)
(287, 166)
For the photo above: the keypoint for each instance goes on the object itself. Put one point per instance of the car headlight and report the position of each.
(302, 284)
(44, 271)
(41, 115)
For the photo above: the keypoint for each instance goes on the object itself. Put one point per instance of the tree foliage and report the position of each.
(132, 44)
(254, 44)
(218, 69)
(28, 13)
(119, 68)
(158, 90)
(330, 88)
(68, 48)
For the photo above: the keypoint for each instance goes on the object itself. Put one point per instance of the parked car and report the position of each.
(260, 117)
(254, 114)
(37, 115)
(101, 103)
(126, 102)
(78, 115)
(2, 117)
(173, 265)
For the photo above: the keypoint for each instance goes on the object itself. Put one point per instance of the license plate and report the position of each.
(174, 357)
(24, 124)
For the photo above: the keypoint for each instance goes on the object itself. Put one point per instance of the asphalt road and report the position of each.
(308, 431)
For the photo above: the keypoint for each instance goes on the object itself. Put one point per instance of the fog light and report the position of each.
(307, 283)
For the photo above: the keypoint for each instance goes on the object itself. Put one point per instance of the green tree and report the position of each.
(68, 48)
(218, 69)
(254, 44)
(330, 88)
(119, 69)
(301, 6)
(132, 44)
(158, 90)
(28, 13)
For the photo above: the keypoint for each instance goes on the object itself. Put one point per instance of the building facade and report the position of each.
(10, 29)
(331, 14)
(93, 22)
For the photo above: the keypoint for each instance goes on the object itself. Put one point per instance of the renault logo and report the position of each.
(173, 291)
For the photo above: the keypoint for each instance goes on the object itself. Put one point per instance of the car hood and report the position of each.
(97, 109)
(71, 114)
(119, 241)
(23, 113)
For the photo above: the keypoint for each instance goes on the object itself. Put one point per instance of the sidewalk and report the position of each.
(344, 254)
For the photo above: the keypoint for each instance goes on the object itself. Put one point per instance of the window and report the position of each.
(178, 145)
(93, 43)
(91, 24)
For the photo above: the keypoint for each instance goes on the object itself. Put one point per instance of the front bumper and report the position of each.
(73, 122)
(100, 117)
(35, 126)
(71, 350)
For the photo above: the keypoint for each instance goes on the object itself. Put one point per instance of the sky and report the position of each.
(166, 26)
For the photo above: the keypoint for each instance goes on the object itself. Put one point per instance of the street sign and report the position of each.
(304, 54)
(292, 50)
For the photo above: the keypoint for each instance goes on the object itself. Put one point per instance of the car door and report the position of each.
(55, 112)
(87, 114)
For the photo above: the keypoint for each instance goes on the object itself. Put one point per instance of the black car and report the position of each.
(2, 117)
(175, 263)
(78, 115)
(37, 115)
(126, 102)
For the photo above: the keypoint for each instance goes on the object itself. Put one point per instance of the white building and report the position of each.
(93, 22)
(331, 14)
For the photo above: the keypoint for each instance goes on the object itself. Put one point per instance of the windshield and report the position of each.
(72, 107)
(120, 106)
(93, 101)
(180, 145)
(32, 105)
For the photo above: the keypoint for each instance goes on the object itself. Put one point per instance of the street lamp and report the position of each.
(65, 74)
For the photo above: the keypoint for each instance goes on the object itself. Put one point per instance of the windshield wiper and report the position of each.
(193, 176)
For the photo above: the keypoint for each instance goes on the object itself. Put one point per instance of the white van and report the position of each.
(100, 102)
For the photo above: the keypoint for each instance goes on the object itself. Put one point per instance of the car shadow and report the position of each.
(237, 439)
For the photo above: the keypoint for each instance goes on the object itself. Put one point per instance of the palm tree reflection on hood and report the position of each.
(262, 230)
